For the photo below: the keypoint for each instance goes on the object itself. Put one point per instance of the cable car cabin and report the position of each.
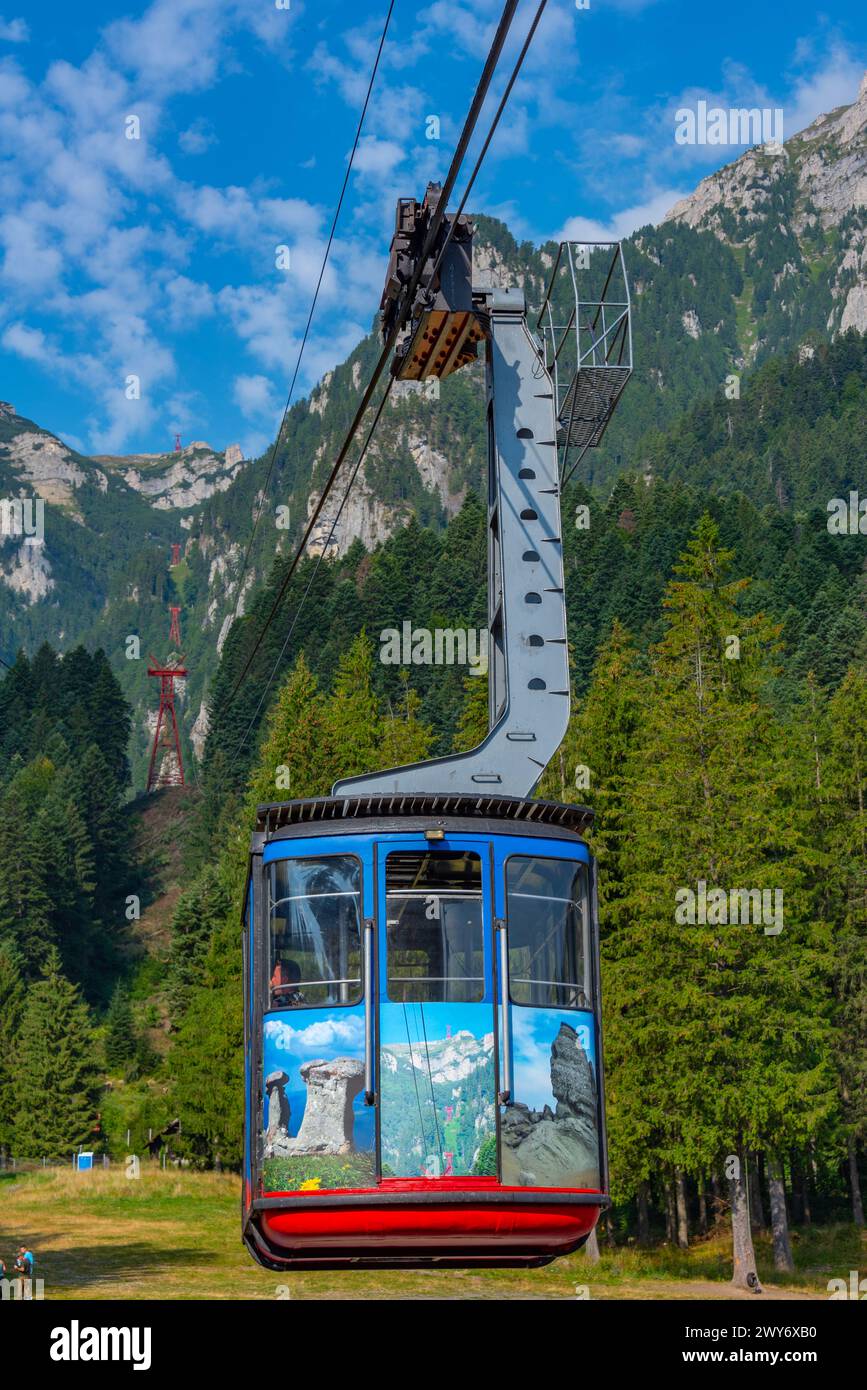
(423, 1057)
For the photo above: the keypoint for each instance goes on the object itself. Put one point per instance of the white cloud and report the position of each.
(624, 223)
(198, 137)
(628, 145)
(29, 343)
(378, 157)
(469, 26)
(254, 396)
(81, 249)
(71, 439)
(255, 443)
(339, 1031)
(176, 45)
(833, 83)
(189, 302)
(13, 31)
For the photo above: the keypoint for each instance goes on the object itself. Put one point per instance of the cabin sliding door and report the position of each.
(551, 1134)
(437, 1057)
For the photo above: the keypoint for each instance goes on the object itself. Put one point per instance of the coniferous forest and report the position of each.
(719, 660)
(718, 647)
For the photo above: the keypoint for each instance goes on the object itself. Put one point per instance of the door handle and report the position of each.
(505, 1096)
(369, 1093)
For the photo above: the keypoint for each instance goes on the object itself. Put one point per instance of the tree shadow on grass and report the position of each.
(106, 1264)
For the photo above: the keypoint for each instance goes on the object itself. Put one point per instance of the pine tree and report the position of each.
(98, 798)
(200, 911)
(110, 719)
(352, 722)
(120, 1036)
(296, 758)
(472, 724)
(846, 786)
(26, 907)
(56, 1081)
(593, 765)
(207, 1060)
(11, 1000)
(405, 737)
(735, 1014)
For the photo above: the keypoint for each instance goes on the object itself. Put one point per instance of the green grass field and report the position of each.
(175, 1235)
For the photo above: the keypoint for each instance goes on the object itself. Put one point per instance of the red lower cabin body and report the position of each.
(448, 1224)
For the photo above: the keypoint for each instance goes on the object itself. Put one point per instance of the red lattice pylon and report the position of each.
(176, 552)
(167, 740)
(175, 629)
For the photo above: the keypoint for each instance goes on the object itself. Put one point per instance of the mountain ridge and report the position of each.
(714, 295)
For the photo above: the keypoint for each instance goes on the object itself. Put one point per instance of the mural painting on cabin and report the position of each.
(319, 1134)
(550, 1135)
(437, 1090)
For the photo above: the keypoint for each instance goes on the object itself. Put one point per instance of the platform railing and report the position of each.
(587, 343)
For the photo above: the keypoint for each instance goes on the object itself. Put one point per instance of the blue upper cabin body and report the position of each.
(494, 848)
(410, 951)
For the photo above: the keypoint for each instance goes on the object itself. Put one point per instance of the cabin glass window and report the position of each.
(547, 923)
(315, 929)
(435, 943)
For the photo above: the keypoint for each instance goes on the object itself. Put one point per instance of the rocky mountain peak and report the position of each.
(827, 160)
(799, 211)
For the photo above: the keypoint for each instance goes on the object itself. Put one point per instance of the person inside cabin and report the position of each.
(284, 984)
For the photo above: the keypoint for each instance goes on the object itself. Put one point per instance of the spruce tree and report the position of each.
(120, 1036)
(296, 758)
(26, 904)
(405, 738)
(11, 1001)
(593, 767)
(352, 721)
(472, 724)
(204, 906)
(717, 1034)
(846, 788)
(207, 1060)
(56, 1081)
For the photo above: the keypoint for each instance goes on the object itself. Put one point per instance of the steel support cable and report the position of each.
(436, 221)
(490, 135)
(337, 212)
(312, 578)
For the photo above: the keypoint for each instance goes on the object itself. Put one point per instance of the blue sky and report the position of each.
(155, 256)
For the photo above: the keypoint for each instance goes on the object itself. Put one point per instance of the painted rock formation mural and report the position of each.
(559, 1147)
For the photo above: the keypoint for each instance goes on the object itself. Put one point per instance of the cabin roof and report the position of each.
(276, 815)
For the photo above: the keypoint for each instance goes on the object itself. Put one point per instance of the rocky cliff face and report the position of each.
(34, 461)
(792, 267)
(178, 480)
(811, 196)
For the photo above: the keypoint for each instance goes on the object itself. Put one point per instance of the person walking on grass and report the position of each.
(24, 1269)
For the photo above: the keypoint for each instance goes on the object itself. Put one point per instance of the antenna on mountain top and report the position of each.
(177, 443)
